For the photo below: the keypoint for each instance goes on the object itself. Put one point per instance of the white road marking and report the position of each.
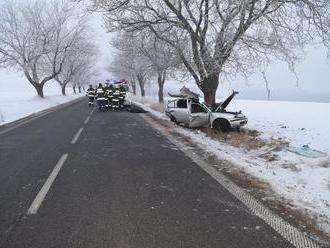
(76, 137)
(293, 235)
(45, 188)
(87, 120)
(25, 122)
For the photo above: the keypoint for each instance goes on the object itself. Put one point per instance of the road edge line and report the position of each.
(27, 119)
(282, 227)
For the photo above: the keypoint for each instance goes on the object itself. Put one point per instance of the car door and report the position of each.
(199, 115)
(179, 109)
(170, 107)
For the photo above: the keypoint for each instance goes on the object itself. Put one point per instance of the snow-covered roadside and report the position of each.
(25, 106)
(300, 123)
(18, 99)
(302, 183)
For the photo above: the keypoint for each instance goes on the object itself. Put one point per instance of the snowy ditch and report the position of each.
(300, 183)
(24, 105)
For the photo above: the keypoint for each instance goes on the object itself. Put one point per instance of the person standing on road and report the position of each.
(122, 96)
(110, 95)
(106, 95)
(100, 97)
(116, 98)
(91, 95)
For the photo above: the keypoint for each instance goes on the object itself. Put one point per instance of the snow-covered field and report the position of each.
(301, 123)
(18, 99)
(302, 183)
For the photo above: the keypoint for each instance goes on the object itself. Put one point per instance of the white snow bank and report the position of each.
(301, 123)
(18, 98)
(304, 183)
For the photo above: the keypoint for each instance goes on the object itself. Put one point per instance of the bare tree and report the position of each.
(36, 36)
(215, 38)
(85, 74)
(67, 73)
(130, 63)
(122, 66)
(162, 58)
(80, 62)
(134, 68)
(141, 72)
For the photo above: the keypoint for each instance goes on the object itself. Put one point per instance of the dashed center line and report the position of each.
(50, 180)
(45, 188)
(87, 120)
(76, 137)
(88, 117)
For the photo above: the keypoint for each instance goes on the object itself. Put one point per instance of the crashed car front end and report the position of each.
(234, 120)
(238, 121)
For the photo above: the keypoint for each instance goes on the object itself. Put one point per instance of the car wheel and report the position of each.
(221, 125)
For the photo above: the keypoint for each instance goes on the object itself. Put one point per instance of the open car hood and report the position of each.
(223, 105)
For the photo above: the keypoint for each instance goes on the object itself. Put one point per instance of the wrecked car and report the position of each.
(187, 110)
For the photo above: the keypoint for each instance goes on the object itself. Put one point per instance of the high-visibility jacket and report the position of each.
(91, 92)
(100, 92)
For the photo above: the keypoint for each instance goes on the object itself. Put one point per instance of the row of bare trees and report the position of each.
(214, 38)
(141, 57)
(46, 41)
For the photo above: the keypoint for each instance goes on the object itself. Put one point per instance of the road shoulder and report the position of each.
(257, 189)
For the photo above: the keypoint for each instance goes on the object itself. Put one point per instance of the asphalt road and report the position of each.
(118, 183)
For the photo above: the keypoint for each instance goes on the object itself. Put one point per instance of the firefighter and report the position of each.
(116, 98)
(110, 95)
(122, 96)
(106, 94)
(91, 95)
(100, 97)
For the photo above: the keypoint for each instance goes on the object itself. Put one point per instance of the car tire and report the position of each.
(221, 125)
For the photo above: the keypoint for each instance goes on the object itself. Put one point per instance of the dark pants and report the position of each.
(101, 102)
(91, 99)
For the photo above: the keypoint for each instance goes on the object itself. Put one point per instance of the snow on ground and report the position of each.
(303, 183)
(18, 98)
(301, 123)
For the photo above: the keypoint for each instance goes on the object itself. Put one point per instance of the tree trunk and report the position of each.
(143, 93)
(79, 89)
(74, 89)
(133, 88)
(63, 89)
(40, 89)
(141, 84)
(209, 88)
(161, 81)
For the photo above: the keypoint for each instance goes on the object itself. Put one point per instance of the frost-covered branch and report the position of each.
(214, 38)
(36, 37)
